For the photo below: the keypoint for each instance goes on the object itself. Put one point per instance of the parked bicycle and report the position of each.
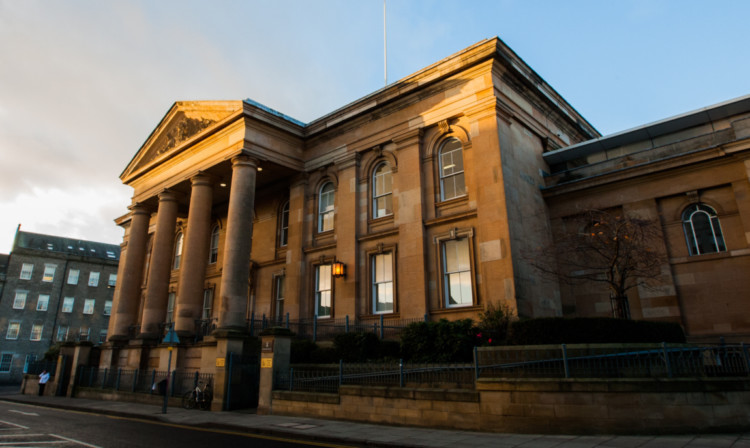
(198, 398)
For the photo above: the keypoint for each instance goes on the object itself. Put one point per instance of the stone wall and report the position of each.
(541, 406)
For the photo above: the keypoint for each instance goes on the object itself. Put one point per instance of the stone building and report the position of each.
(426, 193)
(57, 289)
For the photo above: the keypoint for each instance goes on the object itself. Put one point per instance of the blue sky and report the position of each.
(84, 82)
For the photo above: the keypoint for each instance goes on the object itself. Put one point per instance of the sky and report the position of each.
(84, 82)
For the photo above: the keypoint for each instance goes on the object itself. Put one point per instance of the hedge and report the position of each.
(581, 330)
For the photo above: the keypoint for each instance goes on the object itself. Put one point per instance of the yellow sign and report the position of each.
(220, 362)
(266, 363)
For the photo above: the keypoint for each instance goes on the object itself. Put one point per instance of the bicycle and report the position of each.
(198, 398)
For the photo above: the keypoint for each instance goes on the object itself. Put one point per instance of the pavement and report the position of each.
(363, 434)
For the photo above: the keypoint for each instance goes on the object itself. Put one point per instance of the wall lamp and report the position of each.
(338, 269)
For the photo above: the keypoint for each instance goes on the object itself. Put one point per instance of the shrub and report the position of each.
(356, 347)
(558, 330)
(494, 324)
(303, 351)
(442, 341)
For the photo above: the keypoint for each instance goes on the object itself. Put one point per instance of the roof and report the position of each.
(68, 246)
(666, 126)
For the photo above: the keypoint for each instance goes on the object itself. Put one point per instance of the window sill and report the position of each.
(710, 257)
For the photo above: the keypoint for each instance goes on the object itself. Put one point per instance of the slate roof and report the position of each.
(70, 246)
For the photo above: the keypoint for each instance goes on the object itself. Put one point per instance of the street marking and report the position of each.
(75, 441)
(24, 413)
(13, 424)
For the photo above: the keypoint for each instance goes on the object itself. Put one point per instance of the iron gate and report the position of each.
(243, 378)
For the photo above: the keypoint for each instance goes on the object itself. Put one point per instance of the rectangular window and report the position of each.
(456, 261)
(6, 359)
(88, 306)
(49, 273)
(36, 332)
(83, 333)
(42, 303)
(323, 291)
(94, 279)
(14, 327)
(107, 307)
(279, 293)
(382, 283)
(26, 271)
(28, 361)
(73, 276)
(102, 336)
(62, 334)
(170, 307)
(20, 301)
(112, 280)
(208, 301)
(68, 304)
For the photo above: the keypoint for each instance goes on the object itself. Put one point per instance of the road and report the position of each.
(25, 425)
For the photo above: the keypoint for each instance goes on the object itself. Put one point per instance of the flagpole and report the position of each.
(385, 48)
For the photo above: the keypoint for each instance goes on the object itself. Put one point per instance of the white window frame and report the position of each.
(326, 207)
(213, 251)
(107, 307)
(73, 276)
(88, 306)
(68, 304)
(27, 269)
(42, 303)
(170, 307)
(453, 277)
(383, 284)
(84, 333)
(102, 335)
(712, 232)
(28, 360)
(208, 303)
(36, 332)
(19, 301)
(450, 173)
(323, 291)
(14, 329)
(62, 333)
(94, 279)
(6, 362)
(112, 281)
(49, 273)
(178, 242)
(382, 191)
(279, 291)
(284, 225)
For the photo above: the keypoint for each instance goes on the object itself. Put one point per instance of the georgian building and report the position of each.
(56, 290)
(427, 193)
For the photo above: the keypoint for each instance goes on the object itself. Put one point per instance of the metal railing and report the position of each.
(612, 361)
(36, 367)
(326, 328)
(396, 374)
(577, 361)
(141, 381)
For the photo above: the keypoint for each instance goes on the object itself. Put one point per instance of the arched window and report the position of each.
(452, 184)
(177, 250)
(213, 251)
(284, 225)
(325, 207)
(382, 191)
(702, 230)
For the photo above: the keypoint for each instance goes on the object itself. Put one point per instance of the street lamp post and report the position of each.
(171, 338)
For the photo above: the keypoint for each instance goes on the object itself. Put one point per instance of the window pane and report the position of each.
(36, 332)
(68, 304)
(107, 307)
(323, 293)
(112, 280)
(26, 271)
(20, 300)
(457, 275)
(88, 306)
(73, 276)
(94, 279)
(14, 328)
(49, 273)
(42, 303)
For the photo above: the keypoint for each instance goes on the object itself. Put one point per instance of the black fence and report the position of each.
(36, 367)
(141, 381)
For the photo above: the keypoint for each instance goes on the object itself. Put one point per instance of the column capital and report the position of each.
(167, 195)
(245, 160)
(138, 208)
(203, 179)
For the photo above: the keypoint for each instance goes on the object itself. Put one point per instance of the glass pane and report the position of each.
(446, 162)
(324, 277)
(384, 298)
(703, 233)
(462, 255)
(451, 257)
(717, 232)
(459, 185)
(324, 304)
(454, 289)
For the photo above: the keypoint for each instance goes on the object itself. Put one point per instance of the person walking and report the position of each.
(43, 378)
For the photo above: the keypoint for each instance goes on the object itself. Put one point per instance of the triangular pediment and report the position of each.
(184, 122)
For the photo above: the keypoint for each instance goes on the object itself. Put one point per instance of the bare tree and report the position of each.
(604, 247)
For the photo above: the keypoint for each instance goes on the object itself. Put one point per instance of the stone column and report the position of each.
(130, 275)
(194, 257)
(155, 308)
(274, 358)
(238, 244)
(295, 258)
